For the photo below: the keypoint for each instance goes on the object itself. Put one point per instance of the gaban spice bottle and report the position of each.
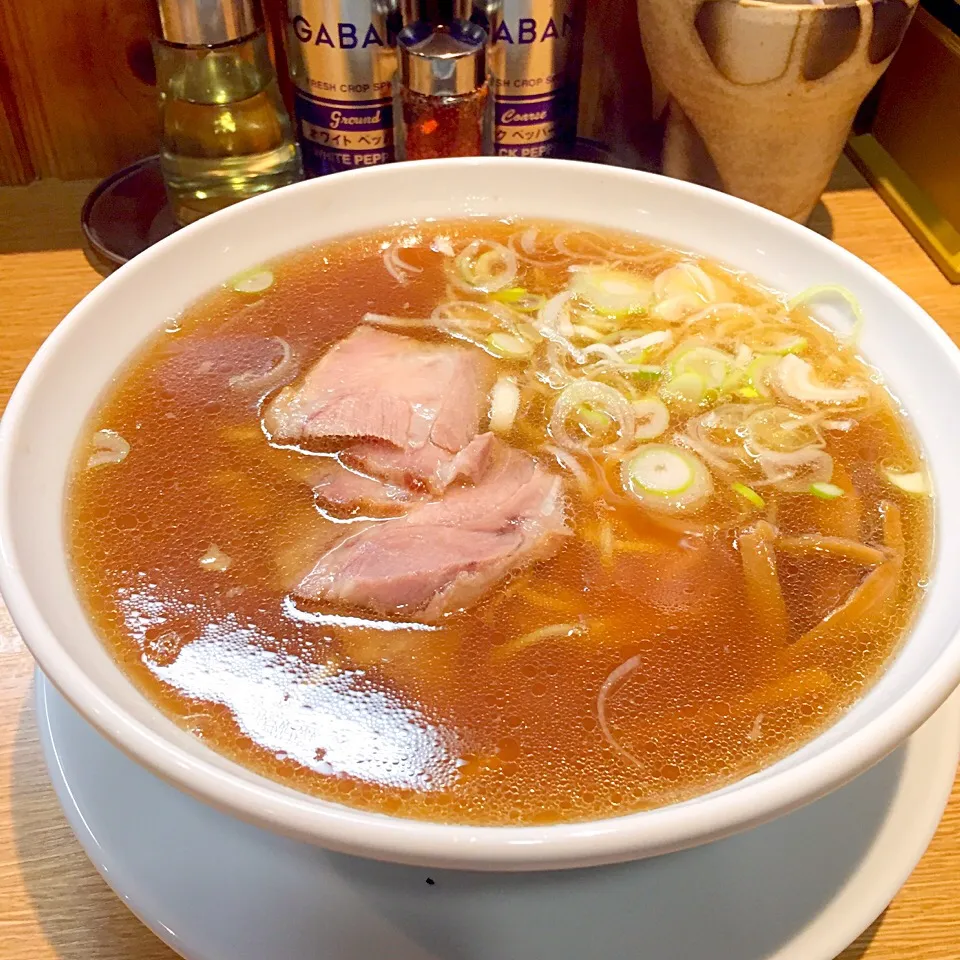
(536, 68)
(443, 93)
(342, 60)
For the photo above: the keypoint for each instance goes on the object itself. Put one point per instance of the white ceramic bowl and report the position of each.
(75, 365)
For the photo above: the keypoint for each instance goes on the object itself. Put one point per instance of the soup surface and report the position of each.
(714, 533)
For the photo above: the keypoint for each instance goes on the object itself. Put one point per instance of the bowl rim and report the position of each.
(425, 843)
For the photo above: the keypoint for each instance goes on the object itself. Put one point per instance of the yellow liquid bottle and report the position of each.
(225, 133)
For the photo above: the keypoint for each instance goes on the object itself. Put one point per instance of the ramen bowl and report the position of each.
(77, 363)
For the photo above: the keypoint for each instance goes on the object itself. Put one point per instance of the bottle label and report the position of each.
(536, 75)
(342, 60)
(336, 135)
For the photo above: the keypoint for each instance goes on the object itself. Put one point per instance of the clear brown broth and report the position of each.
(440, 723)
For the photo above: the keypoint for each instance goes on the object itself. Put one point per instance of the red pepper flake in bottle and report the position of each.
(444, 99)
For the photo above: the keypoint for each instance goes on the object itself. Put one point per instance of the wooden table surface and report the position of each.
(52, 902)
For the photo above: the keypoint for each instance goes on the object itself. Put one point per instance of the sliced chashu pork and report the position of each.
(343, 493)
(378, 480)
(381, 386)
(445, 554)
(411, 408)
(429, 468)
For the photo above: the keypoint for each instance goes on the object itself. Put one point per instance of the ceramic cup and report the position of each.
(758, 96)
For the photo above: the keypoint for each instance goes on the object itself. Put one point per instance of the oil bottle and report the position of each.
(225, 134)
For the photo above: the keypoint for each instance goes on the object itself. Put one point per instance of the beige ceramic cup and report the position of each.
(758, 96)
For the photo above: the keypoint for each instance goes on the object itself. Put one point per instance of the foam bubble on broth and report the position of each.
(453, 721)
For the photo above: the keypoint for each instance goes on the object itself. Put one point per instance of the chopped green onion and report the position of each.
(597, 421)
(519, 298)
(653, 418)
(494, 269)
(504, 404)
(635, 349)
(487, 264)
(509, 347)
(686, 388)
(528, 332)
(614, 293)
(758, 372)
(826, 491)
(599, 396)
(666, 479)
(661, 470)
(510, 295)
(797, 379)
(915, 483)
(713, 366)
(529, 303)
(748, 494)
(733, 380)
(646, 371)
(777, 430)
(252, 281)
(818, 291)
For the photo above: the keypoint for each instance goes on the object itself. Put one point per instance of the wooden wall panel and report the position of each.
(15, 165)
(71, 64)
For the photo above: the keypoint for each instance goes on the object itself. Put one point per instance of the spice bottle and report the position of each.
(534, 59)
(225, 134)
(538, 53)
(342, 60)
(485, 13)
(443, 93)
